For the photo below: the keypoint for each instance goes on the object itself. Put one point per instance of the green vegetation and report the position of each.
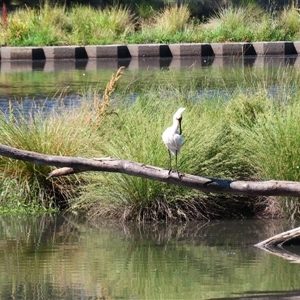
(250, 133)
(84, 25)
(24, 184)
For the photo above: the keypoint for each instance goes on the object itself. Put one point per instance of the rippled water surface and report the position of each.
(62, 257)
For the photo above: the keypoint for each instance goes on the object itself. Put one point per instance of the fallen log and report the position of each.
(72, 165)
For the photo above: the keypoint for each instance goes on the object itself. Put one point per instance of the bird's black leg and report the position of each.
(179, 174)
(170, 160)
(176, 163)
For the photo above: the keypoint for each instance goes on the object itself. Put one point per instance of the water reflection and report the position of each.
(7, 66)
(63, 257)
(44, 86)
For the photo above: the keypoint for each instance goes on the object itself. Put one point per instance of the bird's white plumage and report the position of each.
(171, 137)
(173, 140)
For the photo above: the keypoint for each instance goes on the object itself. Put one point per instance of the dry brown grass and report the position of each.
(101, 105)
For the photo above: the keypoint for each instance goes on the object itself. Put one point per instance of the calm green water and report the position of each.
(61, 257)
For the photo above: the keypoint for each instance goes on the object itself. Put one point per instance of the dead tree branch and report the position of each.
(72, 165)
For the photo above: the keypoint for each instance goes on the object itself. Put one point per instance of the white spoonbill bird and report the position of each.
(172, 137)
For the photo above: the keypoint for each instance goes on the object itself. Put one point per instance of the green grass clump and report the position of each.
(273, 130)
(36, 27)
(268, 127)
(169, 25)
(107, 26)
(290, 21)
(243, 24)
(48, 135)
(172, 19)
(56, 25)
(275, 149)
(27, 186)
(229, 24)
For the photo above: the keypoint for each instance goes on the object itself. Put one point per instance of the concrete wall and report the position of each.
(150, 50)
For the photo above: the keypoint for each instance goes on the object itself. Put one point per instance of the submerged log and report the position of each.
(72, 165)
(287, 238)
(285, 245)
(287, 254)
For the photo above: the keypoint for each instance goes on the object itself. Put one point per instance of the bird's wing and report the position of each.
(178, 140)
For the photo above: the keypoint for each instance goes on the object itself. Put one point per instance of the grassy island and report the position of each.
(249, 133)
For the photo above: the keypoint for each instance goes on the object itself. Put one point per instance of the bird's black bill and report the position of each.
(180, 129)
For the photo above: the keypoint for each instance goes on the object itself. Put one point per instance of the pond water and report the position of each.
(63, 257)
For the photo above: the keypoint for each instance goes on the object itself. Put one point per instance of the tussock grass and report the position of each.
(48, 135)
(290, 21)
(172, 23)
(274, 149)
(80, 25)
(227, 21)
(66, 133)
(172, 19)
(84, 25)
(135, 134)
(107, 26)
(34, 27)
(270, 141)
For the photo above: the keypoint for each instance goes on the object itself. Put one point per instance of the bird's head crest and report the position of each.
(178, 114)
